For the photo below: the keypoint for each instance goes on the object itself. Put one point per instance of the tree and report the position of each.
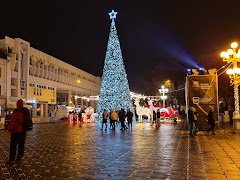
(114, 91)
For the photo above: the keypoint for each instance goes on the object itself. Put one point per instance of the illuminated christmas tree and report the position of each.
(114, 91)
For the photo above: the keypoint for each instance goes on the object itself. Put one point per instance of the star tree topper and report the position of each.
(112, 15)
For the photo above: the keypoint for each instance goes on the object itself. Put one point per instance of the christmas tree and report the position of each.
(114, 91)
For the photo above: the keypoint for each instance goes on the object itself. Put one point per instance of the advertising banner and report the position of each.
(202, 94)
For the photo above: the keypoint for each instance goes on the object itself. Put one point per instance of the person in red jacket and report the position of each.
(18, 133)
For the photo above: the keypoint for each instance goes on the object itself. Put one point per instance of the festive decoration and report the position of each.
(89, 115)
(142, 111)
(114, 91)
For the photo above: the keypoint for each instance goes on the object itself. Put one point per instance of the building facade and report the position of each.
(43, 81)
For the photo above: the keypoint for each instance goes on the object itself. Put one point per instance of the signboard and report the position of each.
(202, 93)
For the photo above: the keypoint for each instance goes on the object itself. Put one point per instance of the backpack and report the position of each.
(28, 124)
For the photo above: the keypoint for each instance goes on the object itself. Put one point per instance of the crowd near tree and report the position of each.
(117, 116)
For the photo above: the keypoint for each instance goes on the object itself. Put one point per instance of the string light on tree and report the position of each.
(114, 91)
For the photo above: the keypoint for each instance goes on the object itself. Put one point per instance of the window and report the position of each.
(0, 72)
(0, 90)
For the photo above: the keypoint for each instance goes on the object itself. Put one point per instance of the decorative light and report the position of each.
(113, 14)
(230, 52)
(223, 54)
(238, 55)
(78, 81)
(232, 57)
(114, 90)
(230, 71)
(234, 45)
(236, 70)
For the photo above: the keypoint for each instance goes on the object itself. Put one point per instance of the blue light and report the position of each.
(113, 14)
(189, 70)
(200, 69)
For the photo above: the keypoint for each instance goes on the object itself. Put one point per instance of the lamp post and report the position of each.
(233, 56)
(163, 90)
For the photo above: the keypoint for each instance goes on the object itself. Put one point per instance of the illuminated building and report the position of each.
(43, 81)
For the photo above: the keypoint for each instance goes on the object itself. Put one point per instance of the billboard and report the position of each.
(202, 93)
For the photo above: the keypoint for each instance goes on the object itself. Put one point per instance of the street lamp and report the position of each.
(233, 56)
(163, 90)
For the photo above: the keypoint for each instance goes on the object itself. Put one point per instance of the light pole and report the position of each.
(163, 90)
(233, 56)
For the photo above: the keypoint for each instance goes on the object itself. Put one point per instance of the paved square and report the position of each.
(59, 151)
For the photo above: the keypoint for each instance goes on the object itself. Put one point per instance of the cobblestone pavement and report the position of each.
(59, 151)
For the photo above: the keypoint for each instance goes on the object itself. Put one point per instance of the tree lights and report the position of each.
(114, 91)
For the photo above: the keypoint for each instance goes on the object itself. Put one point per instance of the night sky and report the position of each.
(159, 39)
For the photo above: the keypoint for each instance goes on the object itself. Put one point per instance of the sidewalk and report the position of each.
(61, 151)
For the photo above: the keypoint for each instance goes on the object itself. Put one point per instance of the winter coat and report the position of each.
(210, 118)
(129, 116)
(105, 115)
(190, 116)
(17, 119)
(122, 115)
(114, 116)
(158, 114)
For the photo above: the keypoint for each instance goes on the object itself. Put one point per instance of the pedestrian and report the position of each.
(191, 121)
(105, 117)
(18, 132)
(114, 117)
(211, 121)
(122, 116)
(111, 121)
(80, 117)
(195, 115)
(75, 118)
(129, 116)
(221, 114)
(154, 117)
(158, 122)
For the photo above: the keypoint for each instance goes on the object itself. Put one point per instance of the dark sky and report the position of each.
(159, 39)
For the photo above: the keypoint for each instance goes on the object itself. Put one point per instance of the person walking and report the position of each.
(158, 123)
(114, 117)
(154, 117)
(129, 116)
(122, 116)
(211, 121)
(105, 117)
(195, 115)
(221, 114)
(191, 121)
(110, 120)
(18, 132)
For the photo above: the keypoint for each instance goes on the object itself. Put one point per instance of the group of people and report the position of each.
(192, 119)
(115, 117)
(156, 118)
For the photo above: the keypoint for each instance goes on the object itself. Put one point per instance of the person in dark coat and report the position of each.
(154, 117)
(211, 121)
(129, 116)
(112, 122)
(18, 132)
(105, 117)
(191, 121)
(122, 116)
